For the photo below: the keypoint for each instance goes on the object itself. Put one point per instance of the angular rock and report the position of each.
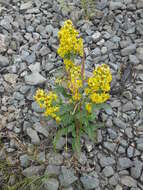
(6, 24)
(82, 159)
(130, 152)
(98, 14)
(119, 123)
(61, 143)
(124, 163)
(41, 156)
(96, 52)
(128, 50)
(39, 128)
(133, 59)
(34, 79)
(89, 146)
(128, 181)
(30, 58)
(33, 136)
(67, 177)
(110, 146)
(35, 67)
(137, 169)
(51, 184)
(140, 146)
(118, 187)
(96, 36)
(3, 61)
(2, 43)
(89, 182)
(140, 4)
(114, 180)
(24, 160)
(55, 159)
(26, 5)
(52, 170)
(33, 170)
(128, 107)
(108, 171)
(11, 78)
(106, 161)
(18, 96)
(115, 5)
(139, 53)
(112, 133)
(127, 94)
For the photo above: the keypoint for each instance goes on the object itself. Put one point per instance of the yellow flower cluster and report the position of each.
(46, 101)
(70, 43)
(99, 84)
(68, 64)
(75, 82)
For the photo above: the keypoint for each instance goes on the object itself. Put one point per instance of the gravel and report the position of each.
(29, 60)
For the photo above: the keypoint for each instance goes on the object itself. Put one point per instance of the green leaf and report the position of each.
(100, 106)
(71, 128)
(91, 128)
(64, 108)
(62, 90)
(73, 132)
(67, 119)
(82, 116)
(76, 145)
(92, 116)
(90, 132)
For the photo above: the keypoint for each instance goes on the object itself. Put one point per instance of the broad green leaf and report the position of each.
(65, 108)
(73, 132)
(62, 90)
(67, 119)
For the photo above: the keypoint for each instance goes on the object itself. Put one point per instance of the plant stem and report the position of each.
(83, 67)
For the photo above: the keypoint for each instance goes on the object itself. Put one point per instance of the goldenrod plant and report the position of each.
(73, 101)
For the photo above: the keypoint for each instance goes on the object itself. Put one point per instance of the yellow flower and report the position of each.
(99, 84)
(68, 64)
(58, 119)
(40, 95)
(88, 107)
(99, 98)
(70, 44)
(75, 82)
(76, 96)
(47, 101)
